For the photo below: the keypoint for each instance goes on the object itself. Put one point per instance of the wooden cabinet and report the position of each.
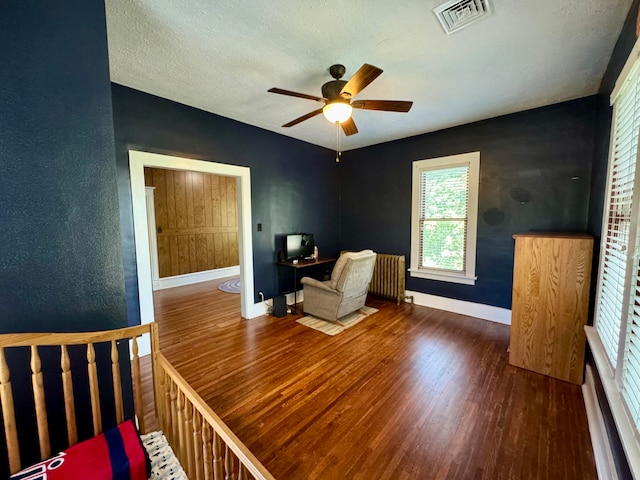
(551, 277)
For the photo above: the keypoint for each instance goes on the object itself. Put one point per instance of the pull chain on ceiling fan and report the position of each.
(337, 97)
(338, 152)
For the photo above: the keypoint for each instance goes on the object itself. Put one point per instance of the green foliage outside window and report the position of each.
(444, 211)
(443, 245)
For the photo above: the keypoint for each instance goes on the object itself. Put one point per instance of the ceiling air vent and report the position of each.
(457, 14)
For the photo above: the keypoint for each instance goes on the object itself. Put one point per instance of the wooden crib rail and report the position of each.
(207, 448)
(62, 340)
(53, 339)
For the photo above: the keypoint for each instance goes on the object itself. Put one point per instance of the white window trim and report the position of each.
(621, 418)
(471, 159)
(626, 70)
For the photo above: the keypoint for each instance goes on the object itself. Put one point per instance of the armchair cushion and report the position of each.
(312, 282)
(346, 292)
(342, 262)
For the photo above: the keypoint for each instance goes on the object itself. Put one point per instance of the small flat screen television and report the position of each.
(299, 245)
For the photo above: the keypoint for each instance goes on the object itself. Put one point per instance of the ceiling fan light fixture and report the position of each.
(337, 112)
(337, 94)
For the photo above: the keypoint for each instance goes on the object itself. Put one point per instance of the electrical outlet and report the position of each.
(259, 227)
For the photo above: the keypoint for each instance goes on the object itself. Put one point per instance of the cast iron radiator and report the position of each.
(388, 277)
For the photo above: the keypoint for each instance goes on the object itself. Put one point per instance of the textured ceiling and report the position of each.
(222, 56)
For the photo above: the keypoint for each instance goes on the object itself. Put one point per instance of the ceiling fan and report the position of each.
(337, 95)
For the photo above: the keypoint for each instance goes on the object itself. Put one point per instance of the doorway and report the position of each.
(137, 161)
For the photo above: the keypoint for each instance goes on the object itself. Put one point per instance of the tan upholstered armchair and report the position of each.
(346, 292)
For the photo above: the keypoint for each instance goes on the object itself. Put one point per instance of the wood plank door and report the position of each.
(196, 221)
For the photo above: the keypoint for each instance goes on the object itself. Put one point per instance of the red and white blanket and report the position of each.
(116, 454)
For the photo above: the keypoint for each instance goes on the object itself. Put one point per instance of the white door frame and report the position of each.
(137, 161)
(153, 241)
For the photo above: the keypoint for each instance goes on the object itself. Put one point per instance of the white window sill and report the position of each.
(443, 276)
(616, 403)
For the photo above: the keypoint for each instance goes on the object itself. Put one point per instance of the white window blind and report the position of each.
(618, 218)
(443, 218)
(629, 133)
(631, 364)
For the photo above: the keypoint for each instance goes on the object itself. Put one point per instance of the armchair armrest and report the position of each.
(312, 282)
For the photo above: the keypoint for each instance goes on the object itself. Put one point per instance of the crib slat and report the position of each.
(137, 386)
(197, 444)
(94, 390)
(69, 402)
(228, 464)
(181, 433)
(167, 417)
(217, 457)
(41, 406)
(10, 431)
(242, 472)
(206, 450)
(188, 430)
(159, 394)
(174, 414)
(117, 383)
(65, 377)
(212, 425)
(158, 389)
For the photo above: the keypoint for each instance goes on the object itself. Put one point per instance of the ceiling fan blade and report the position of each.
(384, 105)
(349, 127)
(303, 118)
(363, 77)
(295, 94)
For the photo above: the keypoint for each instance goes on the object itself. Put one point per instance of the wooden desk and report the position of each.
(297, 266)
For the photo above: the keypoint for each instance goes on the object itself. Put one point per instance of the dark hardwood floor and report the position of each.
(409, 393)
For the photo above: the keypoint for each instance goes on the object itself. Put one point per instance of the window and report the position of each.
(615, 337)
(616, 232)
(444, 218)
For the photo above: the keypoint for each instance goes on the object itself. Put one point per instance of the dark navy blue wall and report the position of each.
(294, 185)
(60, 249)
(60, 260)
(531, 155)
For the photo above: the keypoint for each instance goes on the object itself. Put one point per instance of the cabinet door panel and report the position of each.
(550, 304)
